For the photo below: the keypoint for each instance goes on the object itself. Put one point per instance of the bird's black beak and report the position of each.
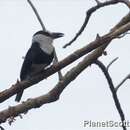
(57, 35)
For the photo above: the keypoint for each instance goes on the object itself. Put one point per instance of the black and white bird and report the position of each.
(40, 54)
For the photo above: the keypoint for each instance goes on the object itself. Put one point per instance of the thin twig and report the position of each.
(37, 15)
(56, 61)
(112, 88)
(90, 12)
(108, 66)
(97, 1)
(2, 128)
(118, 86)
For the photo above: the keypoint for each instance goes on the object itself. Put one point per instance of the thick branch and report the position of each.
(122, 22)
(68, 60)
(111, 86)
(54, 94)
(53, 69)
(90, 12)
(102, 41)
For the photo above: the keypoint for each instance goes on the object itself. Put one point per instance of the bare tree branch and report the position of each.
(126, 2)
(54, 94)
(97, 46)
(122, 22)
(2, 128)
(56, 61)
(108, 66)
(68, 60)
(118, 86)
(53, 69)
(97, 1)
(90, 12)
(112, 88)
(124, 34)
(122, 29)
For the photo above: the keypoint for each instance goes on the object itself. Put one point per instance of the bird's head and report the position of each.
(53, 35)
(46, 37)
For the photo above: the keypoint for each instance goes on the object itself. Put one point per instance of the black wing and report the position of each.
(28, 61)
(26, 67)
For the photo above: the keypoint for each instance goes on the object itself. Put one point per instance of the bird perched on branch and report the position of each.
(40, 55)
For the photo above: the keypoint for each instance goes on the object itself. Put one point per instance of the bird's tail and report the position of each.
(18, 96)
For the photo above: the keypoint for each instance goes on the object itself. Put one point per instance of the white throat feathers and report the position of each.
(45, 43)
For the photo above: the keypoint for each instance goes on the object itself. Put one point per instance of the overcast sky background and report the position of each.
(88, 97)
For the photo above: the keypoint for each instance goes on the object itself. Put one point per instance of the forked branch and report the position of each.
(91, 11)
(123, 81)
(54, 94)
(114, 94)
(68, 60)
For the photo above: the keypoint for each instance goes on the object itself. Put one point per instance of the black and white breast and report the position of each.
(40, 54)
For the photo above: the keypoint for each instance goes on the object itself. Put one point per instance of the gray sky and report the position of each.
(88, 97)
